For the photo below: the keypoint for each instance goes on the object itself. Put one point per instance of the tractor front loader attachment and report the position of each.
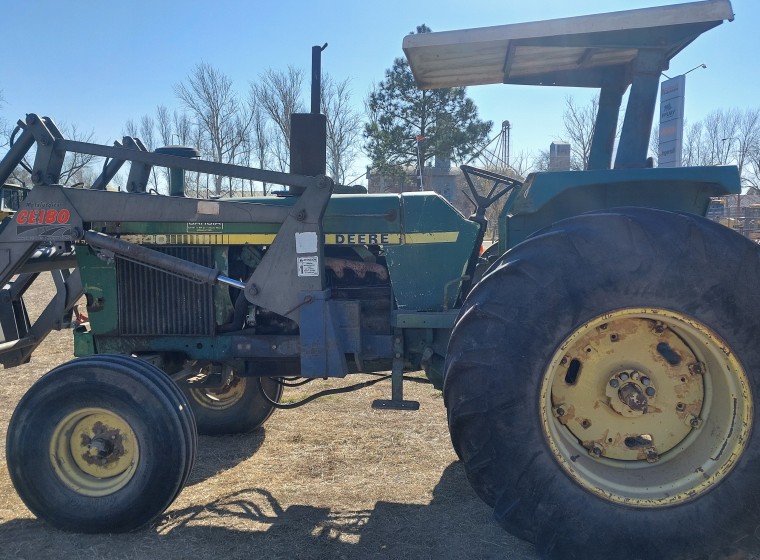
(53, 221)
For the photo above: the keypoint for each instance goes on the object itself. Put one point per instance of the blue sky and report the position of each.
(97, 64)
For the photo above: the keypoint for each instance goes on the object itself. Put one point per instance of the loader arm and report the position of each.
(53, 220)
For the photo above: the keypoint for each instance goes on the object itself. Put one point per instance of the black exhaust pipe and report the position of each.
(308, 131)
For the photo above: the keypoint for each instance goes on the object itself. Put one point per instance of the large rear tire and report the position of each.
(601, 386)
(83, 448)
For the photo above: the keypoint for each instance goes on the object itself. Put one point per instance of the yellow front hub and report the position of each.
(645, 389)
(94, 451)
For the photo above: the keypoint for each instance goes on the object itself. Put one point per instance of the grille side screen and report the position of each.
(152, 302)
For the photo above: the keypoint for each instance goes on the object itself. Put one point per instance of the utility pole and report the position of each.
(420, 163)
(506, 128)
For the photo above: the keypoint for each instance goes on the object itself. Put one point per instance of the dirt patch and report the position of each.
(334, 479)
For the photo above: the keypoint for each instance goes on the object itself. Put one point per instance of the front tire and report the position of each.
(601, 384)
(101, 444)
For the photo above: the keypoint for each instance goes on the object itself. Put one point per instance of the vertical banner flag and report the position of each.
(671, 122)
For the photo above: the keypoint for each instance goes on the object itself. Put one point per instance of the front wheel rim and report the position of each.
(94, 451)
(646, 407)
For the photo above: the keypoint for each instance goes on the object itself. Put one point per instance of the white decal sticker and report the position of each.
(208, 207)
(306, 242)
(308, 266)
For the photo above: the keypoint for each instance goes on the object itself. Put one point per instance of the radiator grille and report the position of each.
(152, 302)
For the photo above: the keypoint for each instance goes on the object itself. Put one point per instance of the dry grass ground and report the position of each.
(334, 479)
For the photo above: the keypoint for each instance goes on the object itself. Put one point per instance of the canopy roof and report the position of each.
(583, 51)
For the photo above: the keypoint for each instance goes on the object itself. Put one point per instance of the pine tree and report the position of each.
(444, 121)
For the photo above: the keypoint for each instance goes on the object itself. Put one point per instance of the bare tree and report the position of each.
(182, 127)
(76, 166)
(200, 182)
(720, 128)
(131, 129)
(753, 173)
(521, 163)
(278, 93)
(580, 122)
(164, 125)
(745, 140)
(148, 137)
(261, 140)
(344, 127)
(726, 137)
(76, 170)
(541, 161)
(209, 95)
(5, 130)
(693, 152)
(654, 143)
(186, 134)
(145, 132)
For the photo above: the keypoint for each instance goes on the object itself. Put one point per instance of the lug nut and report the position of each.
(614, 383)
(624, 377)
(650, 391)
(645, 380)
(696, 368)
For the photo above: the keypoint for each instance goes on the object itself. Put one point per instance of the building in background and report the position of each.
(559, 156)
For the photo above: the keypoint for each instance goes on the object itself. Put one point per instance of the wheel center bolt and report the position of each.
(633, 397)
(102, 447)
(630, 392)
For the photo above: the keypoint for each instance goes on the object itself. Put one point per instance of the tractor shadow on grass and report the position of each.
(219, 453)
(252, 523)
(455, 524)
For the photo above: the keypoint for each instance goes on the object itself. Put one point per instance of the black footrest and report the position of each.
(390, 404)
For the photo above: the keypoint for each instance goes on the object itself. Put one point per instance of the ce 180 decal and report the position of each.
(43, 217)
(45, 224)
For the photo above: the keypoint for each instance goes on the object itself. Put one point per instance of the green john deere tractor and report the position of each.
(599, 364)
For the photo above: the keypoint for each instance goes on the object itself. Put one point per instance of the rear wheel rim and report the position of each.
(646, 407)
(220, 398)
(94, 451)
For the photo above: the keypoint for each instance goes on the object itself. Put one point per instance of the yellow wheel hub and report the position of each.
(94, 451)
(222, 397)
(646, 407)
